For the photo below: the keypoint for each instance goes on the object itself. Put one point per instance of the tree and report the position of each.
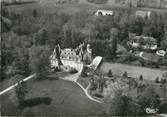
(35, 13)
(122, 105)
(164, 43)
(72, 37)
(139, 23)
(21, 91)
(125, 74)
(132, 28)
(41, 37)
(39, 60)
(141, 78)
(163, 107)
(110, 73)
(141, 87)
(29, 22)
(123, 28)
(157, 80)
(15, 56)
(164, 88)
(148, 99)
(113, 43)
(164, 84)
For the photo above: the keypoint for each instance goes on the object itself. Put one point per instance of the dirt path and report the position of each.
(74, 78)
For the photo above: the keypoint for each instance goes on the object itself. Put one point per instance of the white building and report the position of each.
(103, 12)
(68, 58)
(74, 58)
(144, 42)
(143, 14)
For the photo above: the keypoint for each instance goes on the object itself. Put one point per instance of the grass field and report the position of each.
(83, 5)
(133, 71)
(66, 99)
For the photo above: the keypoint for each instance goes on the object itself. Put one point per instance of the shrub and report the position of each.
(73, 71)
(98, 95)
(157, 80)
(141, 78)
(57, 69)
(163, 107)
(21, 91)
(110, 73)
(125, 74)
(163, 81)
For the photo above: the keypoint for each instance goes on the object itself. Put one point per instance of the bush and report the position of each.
(141, 78)
(93, 86)
(157, 80)
(163, 81)
(73, 71)
(163, 107)
(125, 74)
(57, 69)
(110, 73)
(21, 91)
(98, 95)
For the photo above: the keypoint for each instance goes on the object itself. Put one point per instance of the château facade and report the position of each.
(68, 57)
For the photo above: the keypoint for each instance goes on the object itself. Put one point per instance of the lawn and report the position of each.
(50, 7)
(133, 71)
(65, 98)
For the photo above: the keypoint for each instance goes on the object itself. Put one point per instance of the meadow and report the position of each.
(52, 97)
(133, 71)
(50, 6)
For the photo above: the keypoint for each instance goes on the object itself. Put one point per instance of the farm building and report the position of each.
(103, 12)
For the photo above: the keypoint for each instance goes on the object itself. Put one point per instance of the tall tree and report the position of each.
(113, 43)
(148, 99)
(39, 60)
(122, 105)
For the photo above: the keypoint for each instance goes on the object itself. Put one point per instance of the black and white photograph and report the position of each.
(83, 58)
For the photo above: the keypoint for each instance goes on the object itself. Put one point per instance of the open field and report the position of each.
(51, 7)
(66, 99)
(133, 71)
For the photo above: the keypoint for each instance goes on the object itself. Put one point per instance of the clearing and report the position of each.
(67, 98)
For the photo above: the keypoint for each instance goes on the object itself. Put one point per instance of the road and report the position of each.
(14, 85)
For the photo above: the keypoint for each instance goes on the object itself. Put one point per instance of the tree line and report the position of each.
(30, 36)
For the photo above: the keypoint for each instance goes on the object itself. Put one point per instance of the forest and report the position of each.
(29, 37)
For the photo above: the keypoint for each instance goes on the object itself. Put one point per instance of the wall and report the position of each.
(74, 64)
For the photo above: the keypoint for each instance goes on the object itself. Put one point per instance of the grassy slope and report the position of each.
(67, 99)
(49, 6)
(133, 71)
